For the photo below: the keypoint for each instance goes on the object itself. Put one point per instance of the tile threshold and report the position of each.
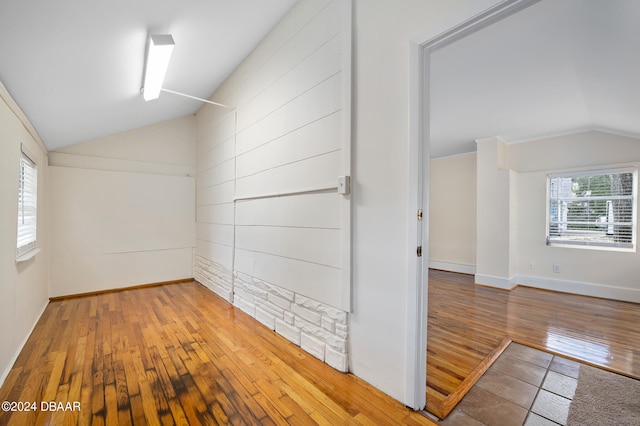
(545, 402)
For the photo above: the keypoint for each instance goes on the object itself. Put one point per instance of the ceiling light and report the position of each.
(158, 56)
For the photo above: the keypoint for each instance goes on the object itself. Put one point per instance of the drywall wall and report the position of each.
(383, 31)
(495, 218)
(603, 273)
(23, 286)
(452, 213)
(513, 188)
(122, 209)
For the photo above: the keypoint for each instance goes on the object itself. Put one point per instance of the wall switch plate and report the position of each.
(344, 184)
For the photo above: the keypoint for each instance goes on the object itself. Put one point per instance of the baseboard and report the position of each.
(582, 288)
(5, 373)
(497, 282)
(113, 290)
(460, 268)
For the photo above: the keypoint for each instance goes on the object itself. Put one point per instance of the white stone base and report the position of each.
(213, 276)
(319, 329)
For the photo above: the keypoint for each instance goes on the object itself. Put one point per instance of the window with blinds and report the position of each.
(593, 208)
(27, 205)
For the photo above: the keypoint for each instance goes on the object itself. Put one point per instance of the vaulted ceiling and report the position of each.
(75, 67)
(555, 67)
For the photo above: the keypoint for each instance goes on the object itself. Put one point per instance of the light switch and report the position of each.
(344, 183)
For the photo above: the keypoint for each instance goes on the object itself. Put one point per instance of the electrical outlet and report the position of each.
(556, 268)
(530, 265)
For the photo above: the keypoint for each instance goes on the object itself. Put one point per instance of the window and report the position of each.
(27, 205)
(593, 208)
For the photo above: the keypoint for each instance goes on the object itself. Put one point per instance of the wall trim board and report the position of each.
(497, 282)
(304, 191)
(460, 268)
(562, 286)
(114, 290)
(580, 288)
(61, 159)
(13, 360)
(578, 130)
(346, 245)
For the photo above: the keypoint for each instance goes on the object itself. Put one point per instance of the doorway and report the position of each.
(428, 55)
(419, 149)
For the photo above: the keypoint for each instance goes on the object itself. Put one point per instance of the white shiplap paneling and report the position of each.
(321, 101)
(223, 172)
(309, 210)
(315, 281)
(214, 126)
(216, 194)
(314, 173)
(215, 233)
(316, 138)
(308, 26)
(222, 254)
(316, 245)
(215, 213)
(285, 219)
(313, 69)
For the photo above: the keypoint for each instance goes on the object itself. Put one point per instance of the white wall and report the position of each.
(452, 213)
(383, 30)
(601, 273)
(273, 234)
(23, 286)
(286, 138)
(495, 215)
(122, 209)
(515, 210)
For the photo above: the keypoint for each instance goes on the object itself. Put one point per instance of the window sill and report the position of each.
(594, 247)
(28, 255)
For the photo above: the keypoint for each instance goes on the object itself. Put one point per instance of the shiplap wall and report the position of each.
(267, 172)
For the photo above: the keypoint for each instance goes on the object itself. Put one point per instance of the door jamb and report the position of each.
(418, 230)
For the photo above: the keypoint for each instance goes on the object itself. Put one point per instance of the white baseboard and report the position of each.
(5, 373)
(582, 288)
(497, 282)
(460, 268)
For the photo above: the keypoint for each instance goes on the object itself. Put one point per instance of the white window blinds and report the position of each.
(27, 205)
(593, 208)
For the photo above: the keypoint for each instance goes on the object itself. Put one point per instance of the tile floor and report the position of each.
(524, 386)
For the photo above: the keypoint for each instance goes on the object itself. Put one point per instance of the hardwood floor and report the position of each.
(468, 322)
(178, 354)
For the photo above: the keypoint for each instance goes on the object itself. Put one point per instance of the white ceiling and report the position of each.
(555, 67)
(75, 67)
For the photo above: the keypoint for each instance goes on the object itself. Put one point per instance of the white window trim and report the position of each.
(587, 172)
(30, 249)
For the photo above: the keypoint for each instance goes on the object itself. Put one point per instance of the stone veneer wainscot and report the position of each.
(317, 328)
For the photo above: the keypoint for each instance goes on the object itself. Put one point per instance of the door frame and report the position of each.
(419, 154)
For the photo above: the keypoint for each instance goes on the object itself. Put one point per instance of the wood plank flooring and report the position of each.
(178, 354)
(467, 322)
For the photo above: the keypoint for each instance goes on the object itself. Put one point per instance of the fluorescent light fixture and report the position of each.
(158, 56)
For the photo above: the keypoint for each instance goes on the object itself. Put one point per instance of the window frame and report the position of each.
(592, 245)
(27, 200)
